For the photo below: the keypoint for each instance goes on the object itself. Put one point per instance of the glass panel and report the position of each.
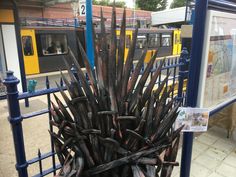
(27, 45)
(180, 39)
(2, 66)
(127, 41)
(108, 37)
(154, 40)
(117, 41)
(166, 40)
(54, 44)
(176, 39)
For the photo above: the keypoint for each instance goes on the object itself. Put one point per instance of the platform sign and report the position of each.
(82, 7)
(218, 72)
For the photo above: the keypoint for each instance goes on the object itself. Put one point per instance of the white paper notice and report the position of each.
(194, 119)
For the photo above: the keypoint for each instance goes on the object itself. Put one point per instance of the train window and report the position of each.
(127, 41)
(98, 39)
(154, 40)
(108, 37)
(27, 45)
(176, 39)
(117, 41)
(141, 42)
(166, 40)
(54, 44)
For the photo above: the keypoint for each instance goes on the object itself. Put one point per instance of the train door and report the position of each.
(179, 42)
(30, 51)
(128, 40)
(153, 40)
(175, 42)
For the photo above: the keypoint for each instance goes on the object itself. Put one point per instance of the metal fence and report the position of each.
(178, 66)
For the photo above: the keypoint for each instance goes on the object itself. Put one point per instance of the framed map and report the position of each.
(218, 72)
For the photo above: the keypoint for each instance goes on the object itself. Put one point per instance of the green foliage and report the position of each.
(108, 3)
(120, 4)
(178, 3)
(152, 5)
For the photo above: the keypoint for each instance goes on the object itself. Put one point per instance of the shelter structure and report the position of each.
(11, 56)
(11, 14)
(169, 16)
(9, 50)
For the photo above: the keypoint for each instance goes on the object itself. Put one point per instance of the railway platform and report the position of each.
(214, 154)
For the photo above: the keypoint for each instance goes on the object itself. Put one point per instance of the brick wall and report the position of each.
(65, 11)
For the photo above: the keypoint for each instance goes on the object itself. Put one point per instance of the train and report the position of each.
(45, 47)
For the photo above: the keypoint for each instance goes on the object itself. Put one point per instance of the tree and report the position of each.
(152, 5)
(109, 3)
(101, 2)
(178, 3)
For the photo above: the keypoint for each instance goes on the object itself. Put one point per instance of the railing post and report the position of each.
(89, 32)
(201, 7)
(74, 72)
(15, 120)
(183, 60)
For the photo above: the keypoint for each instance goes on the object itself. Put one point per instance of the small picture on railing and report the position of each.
(194, 119)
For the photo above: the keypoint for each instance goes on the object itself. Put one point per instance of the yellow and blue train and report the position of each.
(44, 47)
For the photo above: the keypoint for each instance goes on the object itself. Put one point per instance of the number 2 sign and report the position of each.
(82, 8)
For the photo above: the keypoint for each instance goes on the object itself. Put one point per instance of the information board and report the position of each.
(218, 72)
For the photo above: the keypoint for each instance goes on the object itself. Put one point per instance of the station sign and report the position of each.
(82, 7)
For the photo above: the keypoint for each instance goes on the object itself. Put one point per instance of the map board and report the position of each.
(218, 72)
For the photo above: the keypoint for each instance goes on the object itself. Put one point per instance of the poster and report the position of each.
(218, 74)
(193, 119)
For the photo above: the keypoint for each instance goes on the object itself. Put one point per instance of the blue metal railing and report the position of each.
(35, 21)
(174, 65)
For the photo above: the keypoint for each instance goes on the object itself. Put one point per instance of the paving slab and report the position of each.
(198, 170)
(207, 139)
(226, 170)
(207, 161)
(214, 174)
(231, 159)
(215, 154)
(199, 146)
(224, 145)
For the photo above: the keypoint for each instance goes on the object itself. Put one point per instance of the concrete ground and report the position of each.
(35, 136)
(213, 154)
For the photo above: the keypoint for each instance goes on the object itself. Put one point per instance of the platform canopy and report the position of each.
(170, 16)
(35, 3)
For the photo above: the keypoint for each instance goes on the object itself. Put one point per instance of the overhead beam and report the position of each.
(53, 2)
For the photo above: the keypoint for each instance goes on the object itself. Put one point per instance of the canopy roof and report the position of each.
(35, 3)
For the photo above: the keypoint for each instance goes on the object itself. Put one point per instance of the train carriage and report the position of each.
(166, 41)
(44, 48)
